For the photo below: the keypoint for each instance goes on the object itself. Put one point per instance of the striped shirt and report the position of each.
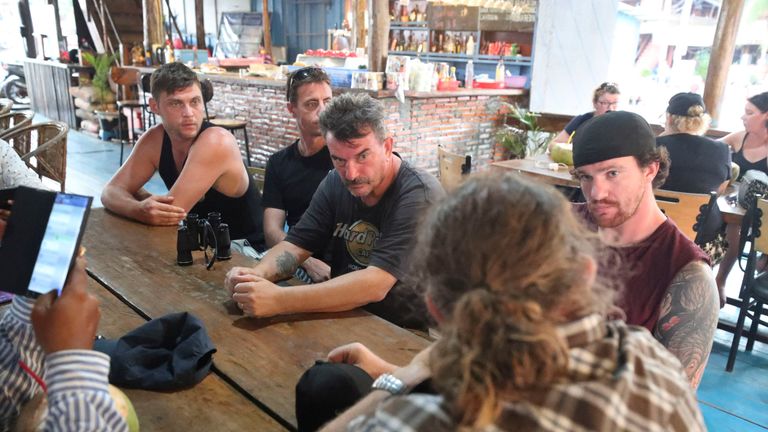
(13, 171)
(619, 379)
(78, 398)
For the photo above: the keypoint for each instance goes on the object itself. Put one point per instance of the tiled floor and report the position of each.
(736, 401)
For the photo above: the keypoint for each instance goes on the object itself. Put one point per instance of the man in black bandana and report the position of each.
(667, 285)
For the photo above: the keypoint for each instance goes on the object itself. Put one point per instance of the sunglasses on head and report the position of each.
(298, 76)
(608, 85)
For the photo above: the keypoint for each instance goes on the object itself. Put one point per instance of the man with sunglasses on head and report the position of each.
(199, 163)
(293, 173)
(366, 210)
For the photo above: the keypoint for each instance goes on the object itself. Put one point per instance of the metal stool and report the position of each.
(126, 80)
(132, 105)
(233, 125)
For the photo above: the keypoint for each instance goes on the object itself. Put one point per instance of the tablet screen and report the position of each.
(59, 242)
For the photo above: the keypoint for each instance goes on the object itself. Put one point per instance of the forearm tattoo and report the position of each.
(286, 265)
(688, 318)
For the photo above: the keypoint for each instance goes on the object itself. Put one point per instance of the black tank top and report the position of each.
(244, 214)
(744, 164)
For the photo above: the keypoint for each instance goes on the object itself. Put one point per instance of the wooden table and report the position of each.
(732, 212)
(263, 358)
(538, 169)
(204, 405)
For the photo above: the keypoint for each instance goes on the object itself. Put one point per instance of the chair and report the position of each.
(231, 125)
(126, 80)
(683, 208)
(258, 175)
(453, 168)
(709, 221)
(754, 287)
(14, 120)
(5, 106)
(43, 147)
(146, 89)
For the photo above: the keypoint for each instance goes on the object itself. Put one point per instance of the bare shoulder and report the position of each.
(216, 142)
(217, 136)
(688, 317)
(695, 283)
(734, 139)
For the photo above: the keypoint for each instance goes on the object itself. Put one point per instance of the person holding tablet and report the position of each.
(55, 335)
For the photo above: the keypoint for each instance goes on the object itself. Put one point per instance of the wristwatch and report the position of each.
(389, 383)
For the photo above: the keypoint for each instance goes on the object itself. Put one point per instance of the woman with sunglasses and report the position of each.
(605, 98)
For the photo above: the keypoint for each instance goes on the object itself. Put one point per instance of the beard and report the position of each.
(611, 213)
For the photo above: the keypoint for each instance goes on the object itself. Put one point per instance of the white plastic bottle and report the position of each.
(500, 70)
(469, 75)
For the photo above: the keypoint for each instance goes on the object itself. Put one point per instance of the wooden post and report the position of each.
(722, 56)
(267, 28)
(200, 24)
(360, 36)
(153, 23)
(379, 31)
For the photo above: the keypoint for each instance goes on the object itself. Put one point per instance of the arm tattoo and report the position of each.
(688, 318)
(286, 265)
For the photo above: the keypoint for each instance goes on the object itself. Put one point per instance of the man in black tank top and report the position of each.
(664, 281)
(200, 164)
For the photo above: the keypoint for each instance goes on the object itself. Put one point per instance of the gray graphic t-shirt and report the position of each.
(381, 236)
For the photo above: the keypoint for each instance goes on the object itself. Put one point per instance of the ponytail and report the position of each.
(495, 349)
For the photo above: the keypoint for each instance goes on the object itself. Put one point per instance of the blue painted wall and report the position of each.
(301, 24)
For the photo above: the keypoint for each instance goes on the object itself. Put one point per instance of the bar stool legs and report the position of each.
(247, 147)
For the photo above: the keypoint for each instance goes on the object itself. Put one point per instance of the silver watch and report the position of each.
(389, 383)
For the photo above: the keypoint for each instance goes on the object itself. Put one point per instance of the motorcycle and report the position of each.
(14, 86)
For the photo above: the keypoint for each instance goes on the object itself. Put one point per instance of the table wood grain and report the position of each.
(538, 170)
(210, 405)
(265, 357)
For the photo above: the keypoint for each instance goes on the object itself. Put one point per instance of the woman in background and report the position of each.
(605, 98)
(750, 152)
(698, 164)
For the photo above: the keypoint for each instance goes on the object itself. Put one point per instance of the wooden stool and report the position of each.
(233, 125)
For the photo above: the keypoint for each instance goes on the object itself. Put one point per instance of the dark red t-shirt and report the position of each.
(648, 268)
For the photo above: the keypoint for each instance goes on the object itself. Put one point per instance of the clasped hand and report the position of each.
(256, 296)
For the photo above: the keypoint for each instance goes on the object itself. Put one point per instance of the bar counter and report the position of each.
(462, 121)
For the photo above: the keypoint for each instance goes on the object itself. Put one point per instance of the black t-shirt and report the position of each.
(380, 236)
(577, 121)
(697, 164)
(243, 214)
(291, 179)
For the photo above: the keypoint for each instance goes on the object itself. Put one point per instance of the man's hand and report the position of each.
(257, 296)
(239, 274)
(158, 210)
(70, 321)
(317, 269)
(359, 355)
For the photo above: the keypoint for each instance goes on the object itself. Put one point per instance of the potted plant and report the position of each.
(103, 95)
(523, 137)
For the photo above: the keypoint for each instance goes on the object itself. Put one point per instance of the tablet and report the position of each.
(41, 240)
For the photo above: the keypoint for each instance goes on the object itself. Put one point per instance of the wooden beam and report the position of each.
(379, 31)
(267, 27)
(361, 40)
(153, 23)
(722, 56)
(200, 24)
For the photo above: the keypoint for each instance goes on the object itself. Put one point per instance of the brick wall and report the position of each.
(462, 124)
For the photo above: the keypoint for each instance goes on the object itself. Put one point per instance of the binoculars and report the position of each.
(195, 233)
